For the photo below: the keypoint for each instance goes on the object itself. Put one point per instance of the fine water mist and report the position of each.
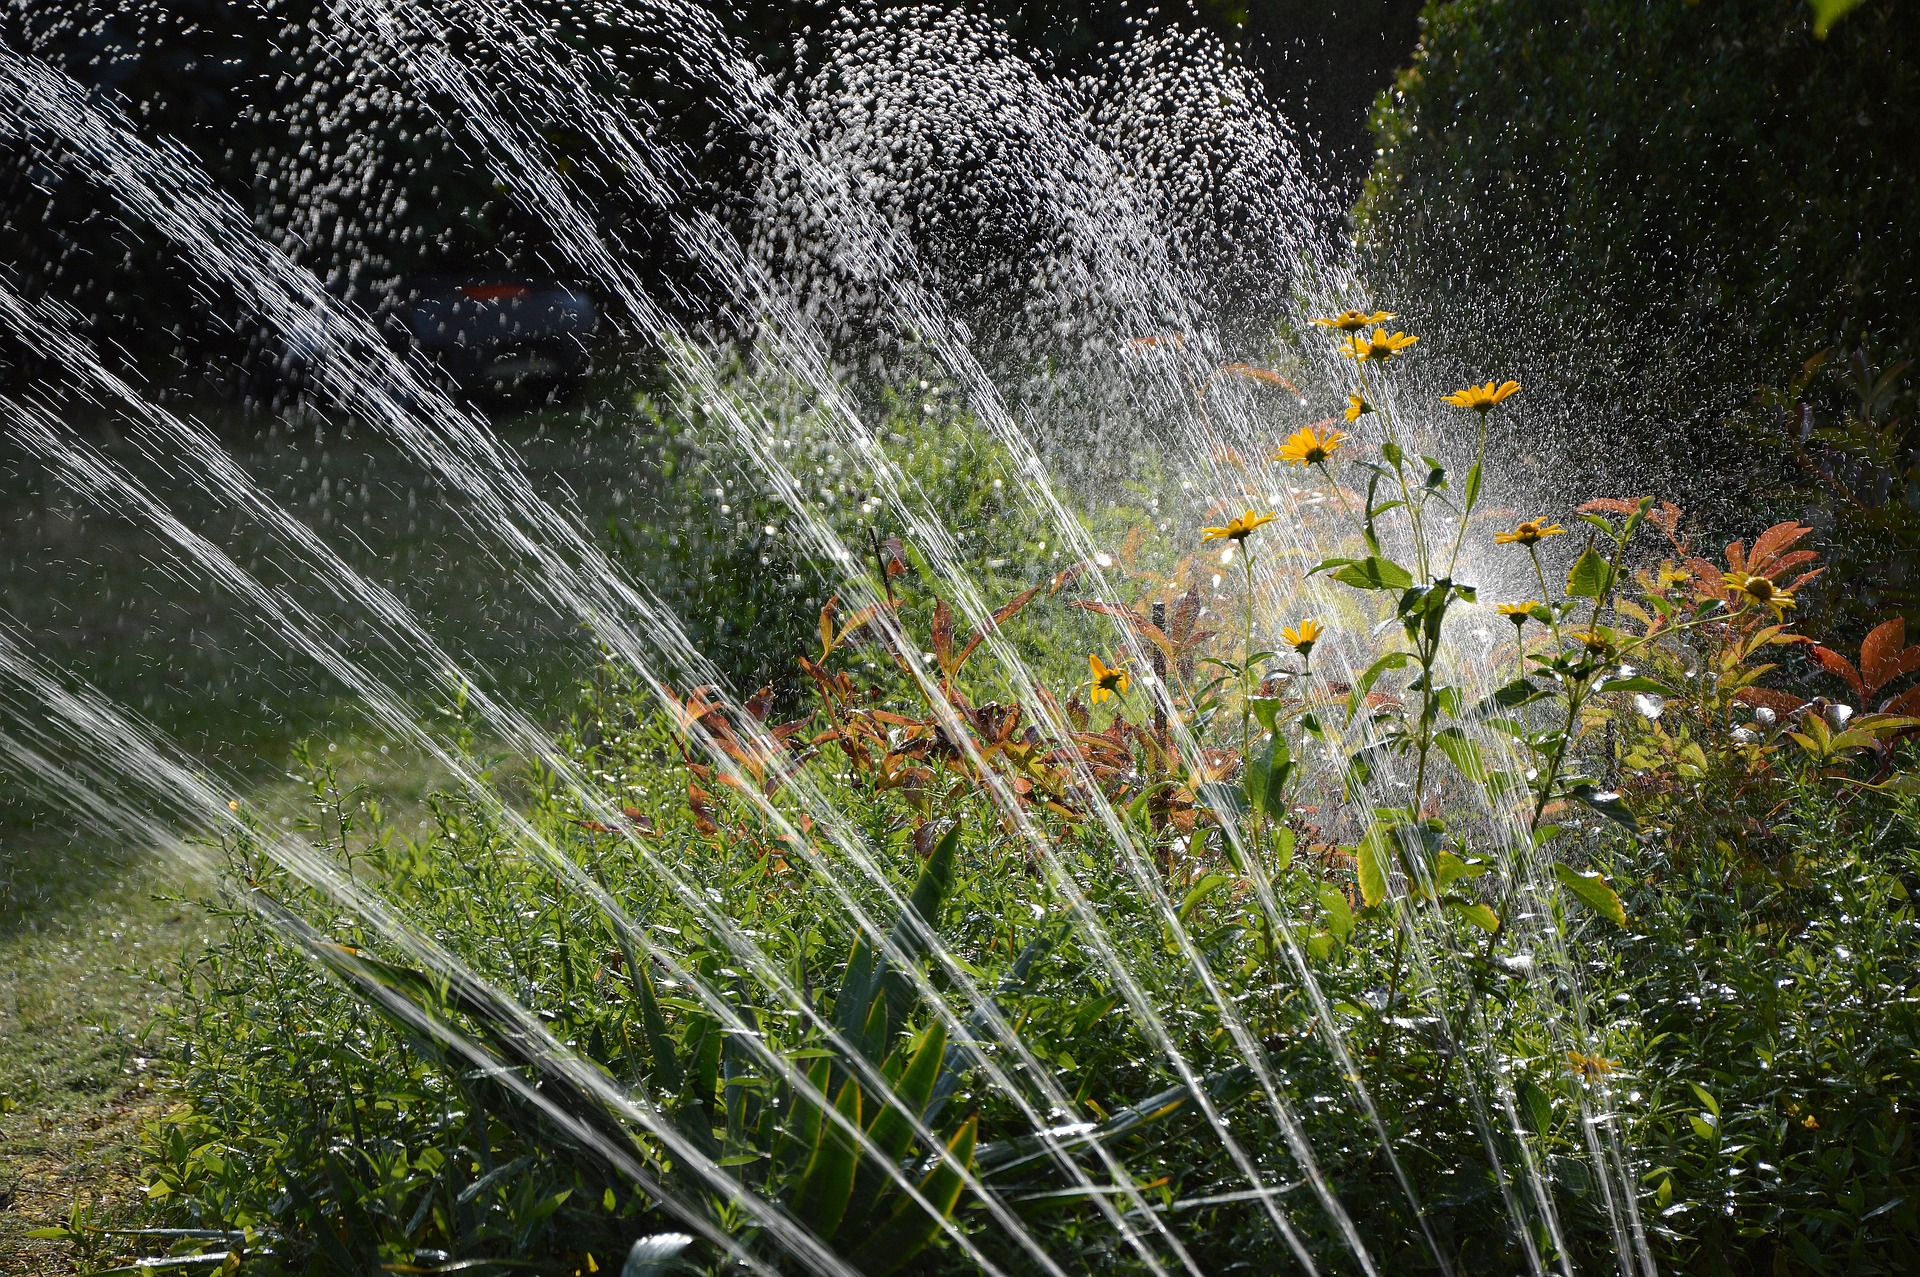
(1110, 277)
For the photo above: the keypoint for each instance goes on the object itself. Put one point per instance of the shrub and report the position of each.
(1216, 919)
(1655, 207)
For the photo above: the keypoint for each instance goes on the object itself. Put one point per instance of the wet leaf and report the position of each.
(1591, 890)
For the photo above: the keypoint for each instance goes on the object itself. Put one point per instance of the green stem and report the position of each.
(1466, 508)
(1246, 684)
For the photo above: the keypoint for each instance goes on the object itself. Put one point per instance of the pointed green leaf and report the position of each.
(1480, 915)
(668, 1075)
(1374, 856)
(1590, 577)
(909, 1229)
(1605, 801)
(1470, 491)
(1591, 890)
(820, 1198)
(1463, 752)
(1374, 573)
(891, 1130)
(1339, 912)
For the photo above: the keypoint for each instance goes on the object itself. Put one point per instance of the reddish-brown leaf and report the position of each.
(1884, 655)
(943, 636)
(1907, 703)
(1781, 703)
(1260, 374)
(1773, 542)
(1834, 663)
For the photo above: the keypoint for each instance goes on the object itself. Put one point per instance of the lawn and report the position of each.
(92, 931)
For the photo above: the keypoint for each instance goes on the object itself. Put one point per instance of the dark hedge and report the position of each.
(1661, 205)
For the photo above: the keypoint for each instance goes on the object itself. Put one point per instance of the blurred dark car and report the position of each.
(497, 335)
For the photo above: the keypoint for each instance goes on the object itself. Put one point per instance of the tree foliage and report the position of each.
(1663, 199)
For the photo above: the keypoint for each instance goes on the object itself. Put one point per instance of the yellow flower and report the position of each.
(1106, 679)
(1379, 348)
(1759, 591)
(1348, 321)
(1303, 636)
(1308, 447)
(1517, 612)
(1591, 1066)
(1812, 1123)
(1357, 407)
(1671, 576)
(1238, 529)
(1482, 398)
(1528, 533)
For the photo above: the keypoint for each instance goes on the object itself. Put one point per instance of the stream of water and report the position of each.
(845, 156)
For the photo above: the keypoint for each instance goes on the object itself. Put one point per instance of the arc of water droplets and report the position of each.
(68, 719)
(94, 476)
(536, 168)
(446, 76)
(625, 642)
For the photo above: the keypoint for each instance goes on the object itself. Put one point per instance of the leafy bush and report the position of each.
(1172, 923)
(1654, 207)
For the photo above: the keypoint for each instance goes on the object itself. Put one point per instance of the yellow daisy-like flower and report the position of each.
(1238, 529)
(1760, 591)
(1482, 398)
(1303, 636)
(1309, 447)
(1591, 1066)
(1348, 321)
(1529, 533)
(1812, 1123)
(1357, 407)
(1378, 348)
(1107, 679)
(1518, 613)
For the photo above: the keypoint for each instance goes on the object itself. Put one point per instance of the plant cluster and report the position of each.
(1272, 893)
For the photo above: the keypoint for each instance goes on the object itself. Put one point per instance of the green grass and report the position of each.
(92, 930)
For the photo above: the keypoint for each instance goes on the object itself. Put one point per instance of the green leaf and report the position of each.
(1591, 890)
(1374, 856)
(929, 893)
(891, 1131)
(1463, 752)
(1265, 710)
(1392, 452)
(1391, 661)
(1591, 576)
(1828, 12)
(1374, 573)
(1480, 915)
(826, 1185)
(1633, 683)
(1282, 847)
(1339, 912)
(1264, 778)
(1470, 492)
(666, 1061)
(909, 1229)
(1224, 798)
(1604, 801)
(1512, 696)
(1196, 897)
